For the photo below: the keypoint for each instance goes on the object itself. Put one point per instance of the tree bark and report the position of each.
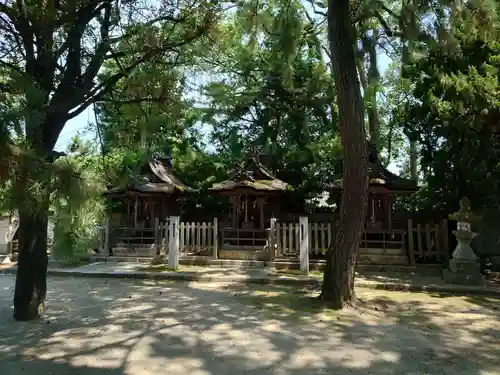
(33, 203)
(338, 279)
(374, 87)
(31, 278)
(413, 160)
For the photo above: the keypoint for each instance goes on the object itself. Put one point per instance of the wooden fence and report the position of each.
(286, 239)
(419, 242)
(194, 238)
(428, 241)
(197, 238)
(320, 236)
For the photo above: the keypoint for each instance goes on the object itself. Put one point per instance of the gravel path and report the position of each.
(118, 327)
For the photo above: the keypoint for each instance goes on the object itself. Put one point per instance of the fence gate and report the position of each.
(287, 239)
(197, 238)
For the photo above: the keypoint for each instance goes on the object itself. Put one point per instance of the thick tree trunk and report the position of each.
(31, 279)
(33, 206)
(338, 280)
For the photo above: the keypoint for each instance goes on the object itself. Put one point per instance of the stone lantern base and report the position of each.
(463, 272)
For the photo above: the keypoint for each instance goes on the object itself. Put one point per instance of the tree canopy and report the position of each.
(208, 82)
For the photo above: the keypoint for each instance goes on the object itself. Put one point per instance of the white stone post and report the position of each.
(173, 246)
(304, 244)
(215, 228)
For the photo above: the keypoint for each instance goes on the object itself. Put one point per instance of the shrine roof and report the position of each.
(156, 176)
(380, 176)
(254, 175)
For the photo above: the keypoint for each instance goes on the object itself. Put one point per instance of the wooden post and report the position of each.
(411, 250)
(246, 208)
(261, 212)
(215, 229)
(173, 248)
(420, 243)
(165, 238)
(304, 244)
(272, 238)
(157, 236)
(236, 202)
(135, 212)
(107, 234)
(389, 213)
(372, 201)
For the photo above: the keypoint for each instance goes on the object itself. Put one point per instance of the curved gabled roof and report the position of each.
(156, 177)
(254, 175)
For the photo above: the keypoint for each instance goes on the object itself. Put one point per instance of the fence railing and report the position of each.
(244, 238)
(320, 236)
(428, 241)
(138, 237)
(286, 238)
(419, 242)
(383, 239)
(198, 238)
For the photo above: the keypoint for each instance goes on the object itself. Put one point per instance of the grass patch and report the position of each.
(291, 303)
(421, 311)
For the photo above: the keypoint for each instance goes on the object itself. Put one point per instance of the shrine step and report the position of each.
(244, 254)
(382, 260)
(381, 251)
(148, 251)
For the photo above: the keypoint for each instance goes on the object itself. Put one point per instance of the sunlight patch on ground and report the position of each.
(126, 327)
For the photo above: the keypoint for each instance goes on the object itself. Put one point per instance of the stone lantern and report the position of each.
(464, 267)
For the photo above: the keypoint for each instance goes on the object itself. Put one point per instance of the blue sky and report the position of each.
(79, 125)
(74, 127)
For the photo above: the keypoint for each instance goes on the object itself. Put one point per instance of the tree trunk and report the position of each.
(374, 87)
(413, 160)
(33, 206)
(338, 279)
(31, 278)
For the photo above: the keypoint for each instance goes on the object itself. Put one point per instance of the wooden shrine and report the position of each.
(137, 208)
(254, 192)
(384, 186)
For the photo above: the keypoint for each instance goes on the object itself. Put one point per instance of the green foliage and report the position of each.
(455, 113)
(275, 94)
(79, 208)
(261, 80)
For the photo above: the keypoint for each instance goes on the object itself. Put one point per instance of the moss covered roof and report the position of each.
(252, 175)
(156, 177)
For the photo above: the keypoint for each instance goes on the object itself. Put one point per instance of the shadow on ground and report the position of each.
(108, 327)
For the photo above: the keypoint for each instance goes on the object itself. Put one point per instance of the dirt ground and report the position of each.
(117, 327)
